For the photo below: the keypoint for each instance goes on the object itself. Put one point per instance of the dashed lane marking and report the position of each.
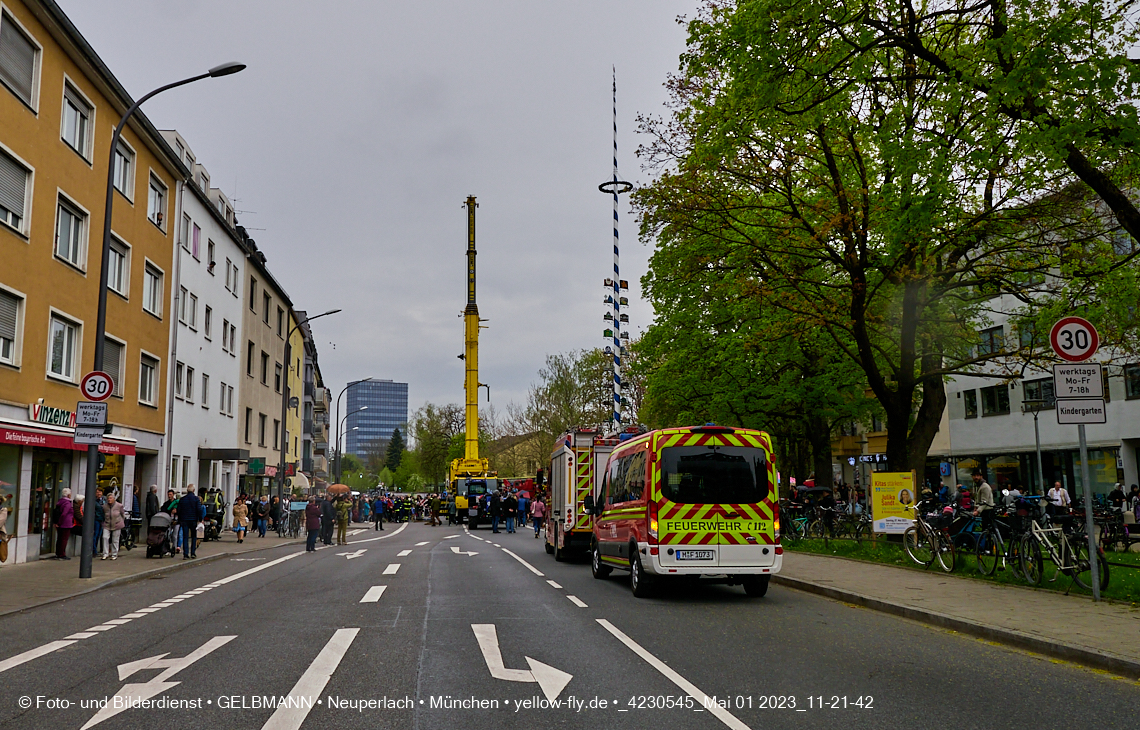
(31, 654)
(421, 544)
(403, 553)
(577, 601)
(529, 567)
(392, 568)
(373, 594)
(553, 584)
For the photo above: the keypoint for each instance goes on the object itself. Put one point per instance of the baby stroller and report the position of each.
(160, 536)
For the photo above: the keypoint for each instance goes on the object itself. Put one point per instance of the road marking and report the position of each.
(450, 536)
(31, 654)
(311, 683)
(356, 554)
(133, 615)
(702, 699)
(171, 601)
(163, 604)
(151, 609)
(118, 621)
(101, 627)
(496, 544)
(457, 551)
(373, 594)
(133, 693)
(551, 680)
(251, 571)
(350, 533)
(553, 584)
(391, 569)
(184, 596)
(403, 553)
(421, 544)
(577, 601)
(529, 567)
(395, 532)
(82, 635)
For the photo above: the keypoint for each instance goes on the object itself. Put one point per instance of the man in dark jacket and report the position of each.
(151, 504)
(312, 524)
(495, 510)
(189, 512)
(328, 520)
(378, 512)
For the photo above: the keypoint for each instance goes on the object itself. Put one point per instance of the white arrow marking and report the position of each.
(457, 551)
(373, 594)
(133, 694)
(551, 680)
(290, 715)
(356, 554)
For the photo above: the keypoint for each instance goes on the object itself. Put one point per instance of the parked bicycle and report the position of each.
(1069, 556)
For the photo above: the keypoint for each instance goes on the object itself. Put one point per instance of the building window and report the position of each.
(230, 401)
(229, 274)
(995, 400)
(233, 340)
(184, 232)
(189, 385)
(277, 378)
(183, 295)
(156, 202)
(225, 335)
(124, 170)
(64, 345)
(221, 398)
(280, 322)
(261, 429)
(971, 400)
(210, 262)
(76, 126)
(264, 368)
(70, 233)
(207, 321)
(249, 359)
(1027, 332)
(1040, 392)
(152, 290)
(148, 370)
(196, 242)
(252, 294)
(9, 319)
(19, 58)
(991, 342)
(266, 302)
(205, 390)
(276, 434)
(118, 267)
(113, 364)
(179, 378)
(1132, 381)
(192, 312)
(14, 179)
(248, 423)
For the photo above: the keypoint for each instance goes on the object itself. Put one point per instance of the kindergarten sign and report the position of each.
(891, 494)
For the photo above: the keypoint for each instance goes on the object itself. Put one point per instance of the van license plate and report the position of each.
(473, 512)
(694, 555)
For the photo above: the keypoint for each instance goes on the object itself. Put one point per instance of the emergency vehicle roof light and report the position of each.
(712, 428)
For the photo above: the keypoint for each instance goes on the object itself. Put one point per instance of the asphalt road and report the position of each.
(281, 639)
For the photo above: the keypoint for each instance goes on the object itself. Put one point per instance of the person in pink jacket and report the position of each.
(113, 524)
(537, 513)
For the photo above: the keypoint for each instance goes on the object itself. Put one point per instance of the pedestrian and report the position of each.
(241, 519)
(312, 524)
(496, 510)
(275, 515)
(378, 513)
(152, 505)
(343, 513)
(113, 524)
(97, 546)
(63, 515)
(261, 514)
(510, 506)
(434, 506)
(537, 513)
(189, 511)
(984, 502)
(328, 519)
(365, 510)
(1058, 500)
(523, 509)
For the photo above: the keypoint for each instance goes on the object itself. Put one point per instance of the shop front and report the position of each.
(1019, 470)
(37, 462)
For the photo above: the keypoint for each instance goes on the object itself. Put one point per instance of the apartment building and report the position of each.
(58, 105)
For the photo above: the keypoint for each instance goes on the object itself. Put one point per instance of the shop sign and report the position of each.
(873, 458)
(51, 416)
(256, 466)
(59, 441)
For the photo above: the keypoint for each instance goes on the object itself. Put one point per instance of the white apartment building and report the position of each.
(205, 357)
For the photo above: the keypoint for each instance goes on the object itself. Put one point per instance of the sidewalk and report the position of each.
(35, 583)
(1102, 635)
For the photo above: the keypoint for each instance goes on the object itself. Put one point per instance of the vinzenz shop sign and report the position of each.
(51, 416)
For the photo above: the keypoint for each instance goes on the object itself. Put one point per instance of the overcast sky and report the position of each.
(359, 128)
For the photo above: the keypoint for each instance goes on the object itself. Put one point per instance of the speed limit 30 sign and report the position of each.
(97, 386)
(1074, 339)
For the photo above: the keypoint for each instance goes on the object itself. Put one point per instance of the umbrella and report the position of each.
(338, 489)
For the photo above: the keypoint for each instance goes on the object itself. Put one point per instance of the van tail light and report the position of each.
(652, 523)
(776, 523)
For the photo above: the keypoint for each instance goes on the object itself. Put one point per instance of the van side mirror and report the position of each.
(589, 503)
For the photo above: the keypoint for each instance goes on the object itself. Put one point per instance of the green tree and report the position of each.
(350, 463)
(829, 161)
(433, 427)
(395, 449)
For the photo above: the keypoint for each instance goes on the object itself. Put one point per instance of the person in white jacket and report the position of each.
(113, 523)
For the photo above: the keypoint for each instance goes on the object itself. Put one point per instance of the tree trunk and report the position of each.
(819, 436)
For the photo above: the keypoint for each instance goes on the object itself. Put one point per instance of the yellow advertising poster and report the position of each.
(891, 494)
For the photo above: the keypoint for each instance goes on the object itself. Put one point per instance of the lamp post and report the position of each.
(336, 420)
(101, 320)
(1035, 406)
(285, 398)
(339, 425)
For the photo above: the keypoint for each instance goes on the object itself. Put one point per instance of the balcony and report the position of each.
(320, 467)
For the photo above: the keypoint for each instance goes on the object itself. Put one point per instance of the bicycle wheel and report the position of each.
(815, 529)
(1029, 559)
(917, 543)
(1082, 574)
(989, 550)
(945, 552)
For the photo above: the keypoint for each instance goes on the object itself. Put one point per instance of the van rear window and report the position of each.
(714, 474)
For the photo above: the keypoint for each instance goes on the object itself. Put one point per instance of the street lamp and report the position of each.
(1035, 406)
(285, 398)
(336, 420)
(339, 425)
(88, 541)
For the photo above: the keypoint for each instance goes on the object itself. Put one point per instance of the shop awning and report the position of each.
(61, 439)
(223, 454)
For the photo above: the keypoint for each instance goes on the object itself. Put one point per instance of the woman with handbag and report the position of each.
(241, 519)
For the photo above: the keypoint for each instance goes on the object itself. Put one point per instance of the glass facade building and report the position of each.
(387, 403)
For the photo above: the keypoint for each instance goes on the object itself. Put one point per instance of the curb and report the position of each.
(1069, 652)
(143, 575)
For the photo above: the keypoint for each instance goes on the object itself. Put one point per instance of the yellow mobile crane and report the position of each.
(471, 477)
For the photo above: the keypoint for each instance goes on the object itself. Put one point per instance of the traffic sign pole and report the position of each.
(1086, 484)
